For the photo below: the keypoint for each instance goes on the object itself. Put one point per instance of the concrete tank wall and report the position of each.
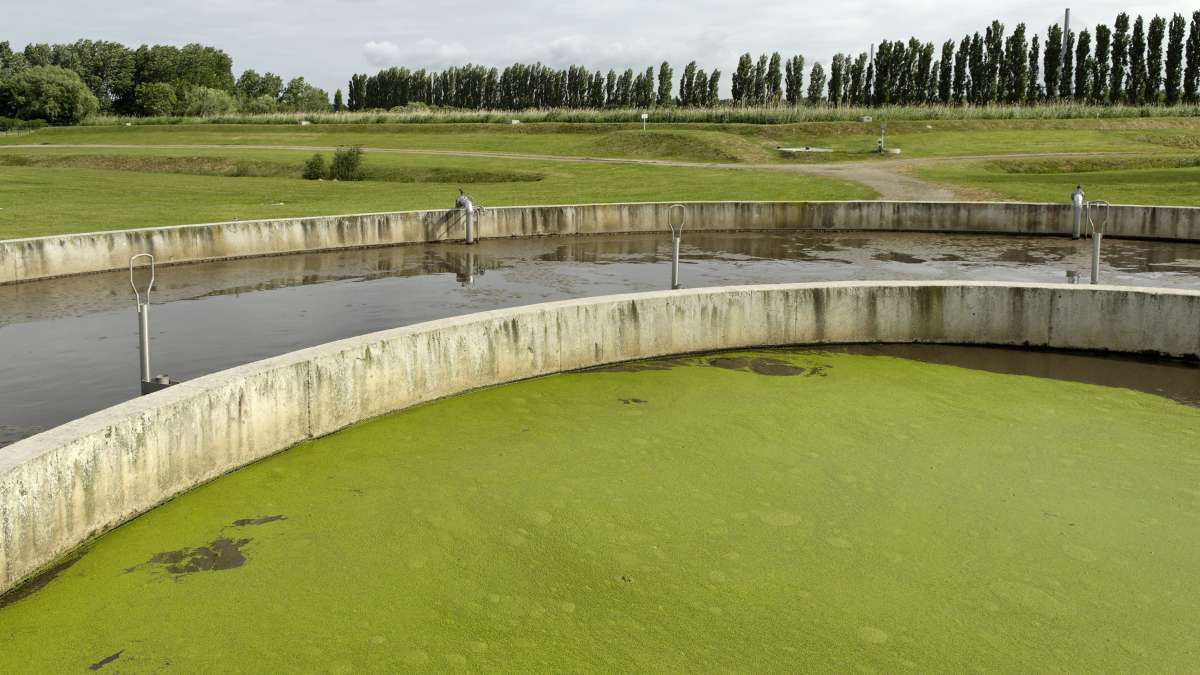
(64, 486)
(43, 257)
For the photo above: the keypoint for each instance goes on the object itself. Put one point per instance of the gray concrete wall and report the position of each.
(43, 257)
(64, 486)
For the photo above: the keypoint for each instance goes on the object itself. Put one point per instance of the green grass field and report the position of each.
(50, 189)
(41, 200)
(833, 514)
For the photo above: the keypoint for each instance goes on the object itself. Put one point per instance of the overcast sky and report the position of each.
(328, 40)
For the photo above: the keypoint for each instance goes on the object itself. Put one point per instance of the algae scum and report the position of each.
(757, 511)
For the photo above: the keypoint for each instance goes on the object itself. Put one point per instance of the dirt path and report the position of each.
(893, 179)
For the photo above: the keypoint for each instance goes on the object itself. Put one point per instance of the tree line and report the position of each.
(1155, 62)
(63, 83)
(1138, 62)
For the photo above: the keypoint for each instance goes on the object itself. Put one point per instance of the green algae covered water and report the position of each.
(758, 511)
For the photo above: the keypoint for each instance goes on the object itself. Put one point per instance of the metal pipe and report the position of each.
(470, 208)
(675, 240)
(144, 339)
(1097, 230)
(1077, 202)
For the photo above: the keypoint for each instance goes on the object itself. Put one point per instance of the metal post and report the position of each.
(1077, 203)
(143, 312)
(468, 206)
(1097, 234)
(470, 221)
(149, 383)
(676, 240)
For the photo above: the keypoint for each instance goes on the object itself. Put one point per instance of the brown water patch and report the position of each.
(1178, 380)
(261, 520)
(38, 582)
(640, 366)
(763, 366)
(219, 554)
(897, 256)
(106, 660)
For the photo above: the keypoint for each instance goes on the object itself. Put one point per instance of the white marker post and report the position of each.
(645, 116)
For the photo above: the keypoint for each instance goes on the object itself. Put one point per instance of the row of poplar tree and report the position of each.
(1139, 62)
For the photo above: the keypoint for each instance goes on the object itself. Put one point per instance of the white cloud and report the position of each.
(381, 54)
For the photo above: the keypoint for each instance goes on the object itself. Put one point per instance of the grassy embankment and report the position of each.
(47, 190)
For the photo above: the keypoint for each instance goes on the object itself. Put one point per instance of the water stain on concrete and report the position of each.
(38, 582)
(106, 660)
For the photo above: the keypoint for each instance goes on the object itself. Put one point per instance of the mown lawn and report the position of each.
(37, 201)
(1153, 185)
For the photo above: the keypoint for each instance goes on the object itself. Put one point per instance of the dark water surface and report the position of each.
(68, 347)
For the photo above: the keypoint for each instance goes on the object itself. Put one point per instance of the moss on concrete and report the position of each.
(818, 511)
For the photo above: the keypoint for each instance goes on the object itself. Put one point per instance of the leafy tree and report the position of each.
(49, 93)
(356, 92)
(946, 73)
(714, 83)
(794, 79)
(338, 106)
(743, 80)
(610, 88)
(1034, 90)
(760, 80)
(155, 99)
(299, 96)
(197, 101)
(1103, 63)
(1083, 51)
(665, 76)
(346, 164)
(1174, 74)
(1052, 61)
(314, 168)
(11, 62)
(774, 79)
(1191, 71)
(1137, 64)
(859, 79)
(962, 82)
(259, 106)
(1016, 67)
(1120, 58)
(1066, 77)
(816, 84)
(1154, 58)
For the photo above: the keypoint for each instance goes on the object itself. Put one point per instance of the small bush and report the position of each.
(10, 124)
(314, 168)
(347, 164)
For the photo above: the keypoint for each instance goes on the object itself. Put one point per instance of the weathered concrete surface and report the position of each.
(61, 487)
(43, 257)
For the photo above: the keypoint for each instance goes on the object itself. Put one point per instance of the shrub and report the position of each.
(205, 102)
(314, 168)
(347, 164)
(10, 124)
(260, 105)
(49, 93)
(155, 99)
